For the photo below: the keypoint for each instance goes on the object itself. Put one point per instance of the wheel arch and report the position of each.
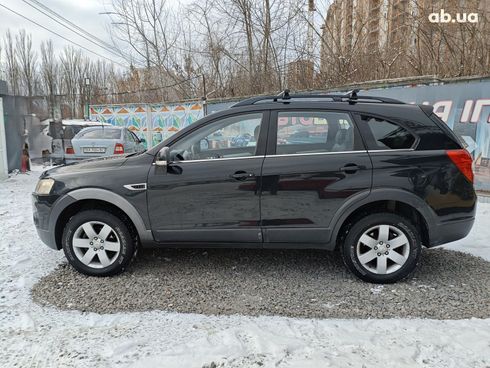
(95, 198)
(388, 200)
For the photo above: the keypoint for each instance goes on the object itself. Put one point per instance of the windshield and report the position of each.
(100, 133)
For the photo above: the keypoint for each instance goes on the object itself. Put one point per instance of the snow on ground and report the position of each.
(478, 241)
(34, 336)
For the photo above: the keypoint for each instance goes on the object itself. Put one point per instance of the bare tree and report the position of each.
(151, 30)
(70, 61)
(390, 39)
(27, 59)
(12, 66)
(227, 48)
(49, 69)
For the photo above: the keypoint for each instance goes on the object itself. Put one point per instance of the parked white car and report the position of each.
(102, 141)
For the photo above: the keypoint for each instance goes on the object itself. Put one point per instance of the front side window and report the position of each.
(304, 132)
(388, 135)
(230, 137)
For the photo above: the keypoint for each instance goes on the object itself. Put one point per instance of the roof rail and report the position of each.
(351, 97)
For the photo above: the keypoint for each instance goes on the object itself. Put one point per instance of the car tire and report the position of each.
(367, 252)
(97, 243)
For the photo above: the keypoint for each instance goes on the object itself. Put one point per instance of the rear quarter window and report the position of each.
(387, 135)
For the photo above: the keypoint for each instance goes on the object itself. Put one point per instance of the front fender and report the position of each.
(77, 195)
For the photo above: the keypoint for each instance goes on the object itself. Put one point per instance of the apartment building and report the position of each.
(377, 39)
(300, 74)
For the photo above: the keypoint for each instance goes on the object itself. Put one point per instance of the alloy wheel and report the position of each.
(383, 249)
(96, 244)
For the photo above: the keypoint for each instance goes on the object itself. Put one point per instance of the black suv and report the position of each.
(372, 177)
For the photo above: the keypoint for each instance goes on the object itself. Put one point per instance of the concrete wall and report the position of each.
(22, 126)
(14, 110)
(3, 146)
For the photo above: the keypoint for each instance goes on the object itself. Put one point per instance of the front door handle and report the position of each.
(242, 175)
(351, 168)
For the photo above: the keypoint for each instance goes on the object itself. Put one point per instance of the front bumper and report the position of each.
(47, 238)
(41, 210)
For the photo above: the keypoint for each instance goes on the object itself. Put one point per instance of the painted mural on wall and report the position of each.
(169, 119)
(152, 122)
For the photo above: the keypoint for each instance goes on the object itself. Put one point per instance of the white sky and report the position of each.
(84, 13)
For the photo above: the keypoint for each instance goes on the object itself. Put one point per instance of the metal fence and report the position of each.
(154, 122)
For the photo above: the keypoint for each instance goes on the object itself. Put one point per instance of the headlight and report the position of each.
(44, 186)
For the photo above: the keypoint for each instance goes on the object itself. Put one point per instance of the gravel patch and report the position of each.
(311, 284)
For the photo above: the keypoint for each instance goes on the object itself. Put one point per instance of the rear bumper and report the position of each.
(450, 231)
(69, 159)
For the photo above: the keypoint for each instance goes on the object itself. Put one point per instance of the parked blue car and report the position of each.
(102, 141)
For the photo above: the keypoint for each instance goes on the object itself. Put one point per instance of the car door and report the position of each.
(210, 190)
(315, 163)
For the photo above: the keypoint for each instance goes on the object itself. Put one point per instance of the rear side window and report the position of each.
(134, 136)
(388, 135)
(102, 133)
(302, 132)
(128, 136)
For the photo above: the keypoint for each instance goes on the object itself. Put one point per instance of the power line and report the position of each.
(70, 25)
(63, 37)
(67, 27)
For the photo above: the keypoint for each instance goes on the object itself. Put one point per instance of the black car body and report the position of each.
(379, 156)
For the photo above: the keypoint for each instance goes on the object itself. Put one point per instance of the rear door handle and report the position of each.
(242, 175)
(351, 168)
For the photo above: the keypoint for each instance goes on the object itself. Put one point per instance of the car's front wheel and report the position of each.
(382, 248)
(97, 243)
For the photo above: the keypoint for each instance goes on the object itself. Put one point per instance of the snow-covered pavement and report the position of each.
(35, 336)
(478, 241)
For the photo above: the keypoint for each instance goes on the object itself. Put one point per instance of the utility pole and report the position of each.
(205, 96)
(87, 88)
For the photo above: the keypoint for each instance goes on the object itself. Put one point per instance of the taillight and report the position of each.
(463, 161)
(119, 149)
(70, 151)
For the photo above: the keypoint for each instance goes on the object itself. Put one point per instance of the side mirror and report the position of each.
(142, 140)
(163, 157)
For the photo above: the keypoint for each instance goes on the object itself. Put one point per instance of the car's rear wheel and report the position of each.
(382, 248)
(97, 243)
